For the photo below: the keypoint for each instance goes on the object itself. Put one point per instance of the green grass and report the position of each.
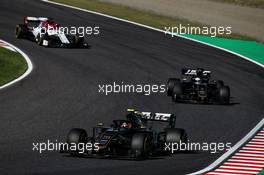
(249, 49)
(250, 3)
(261, 173)
(139, 16)
(12, 65)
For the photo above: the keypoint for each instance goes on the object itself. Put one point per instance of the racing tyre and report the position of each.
(219, 84)
(224, 95)
(141, 145)
(78, 41)
(42, 40)
(175, 135)
(176, 92)
(76, 136)
(171, 83)
(21, 31)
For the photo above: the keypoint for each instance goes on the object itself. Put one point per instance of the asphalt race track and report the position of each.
(62, 92)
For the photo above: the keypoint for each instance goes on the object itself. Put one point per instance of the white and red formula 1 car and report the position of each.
(46, 32)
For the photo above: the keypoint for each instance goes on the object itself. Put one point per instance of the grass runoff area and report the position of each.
(12, 65)
(261, 173)
(140, 16)
(250, 3)
(236, 43)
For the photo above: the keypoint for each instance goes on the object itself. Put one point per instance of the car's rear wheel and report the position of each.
(219, 84)
(76, 136)
(175, 135)
(176, 92)
(43, 40)
(20, 31)
(141, 145)
(78, 41)
(224, 95)
(170, 84)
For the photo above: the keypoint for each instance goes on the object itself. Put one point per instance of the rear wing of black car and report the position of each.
(194, 72)
(156, 116)
(161, 117)
(151, 116)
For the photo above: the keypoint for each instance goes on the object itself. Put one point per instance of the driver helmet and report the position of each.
(126, 125)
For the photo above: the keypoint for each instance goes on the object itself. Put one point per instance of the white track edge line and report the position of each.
(26, 73)
(242, 141)
(153, 28)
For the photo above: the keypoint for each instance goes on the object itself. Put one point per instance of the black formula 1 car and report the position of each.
(196, 86)
(140, 135)
(45, 32)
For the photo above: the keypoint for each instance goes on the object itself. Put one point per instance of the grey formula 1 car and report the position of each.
(196, 86)
(139, 136)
